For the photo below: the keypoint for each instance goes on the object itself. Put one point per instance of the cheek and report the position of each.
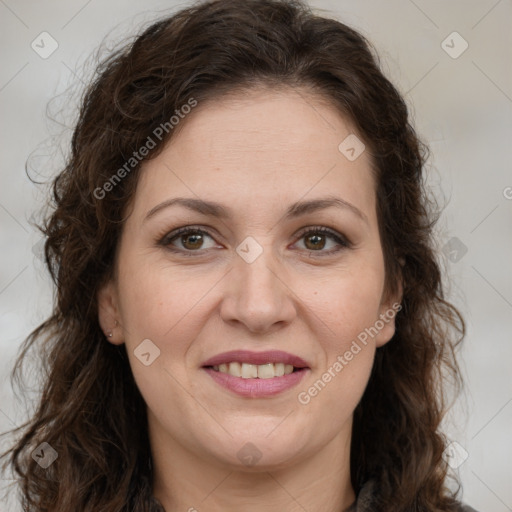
(163, 305)
(335, 392)
(347, 304)
(345, 310)
(351, 311)
(156, 299)
(347, 301)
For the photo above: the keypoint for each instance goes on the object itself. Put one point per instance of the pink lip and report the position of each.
(257, 388)
(246, 356)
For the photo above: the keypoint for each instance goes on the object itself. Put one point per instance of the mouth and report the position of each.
(256, 374)
(256, 365)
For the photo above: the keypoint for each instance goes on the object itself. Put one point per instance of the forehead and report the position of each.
(287, 123)
(260, 146)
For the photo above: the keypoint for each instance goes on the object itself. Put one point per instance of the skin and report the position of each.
(255, 153)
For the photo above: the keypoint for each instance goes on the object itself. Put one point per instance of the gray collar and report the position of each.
(365, 498)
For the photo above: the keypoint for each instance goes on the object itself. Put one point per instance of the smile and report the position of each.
(256, 374)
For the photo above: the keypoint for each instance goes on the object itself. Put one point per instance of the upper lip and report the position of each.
(246, 356)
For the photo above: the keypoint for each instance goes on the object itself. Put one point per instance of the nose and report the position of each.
(256, 295)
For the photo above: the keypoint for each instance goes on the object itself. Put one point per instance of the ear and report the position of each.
(108, 313)
(389, 308)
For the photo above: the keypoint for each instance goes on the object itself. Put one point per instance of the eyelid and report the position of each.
(338, 237)
(175, 233)
(343, 240)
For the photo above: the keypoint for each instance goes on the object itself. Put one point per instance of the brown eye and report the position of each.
(192, 241)
(315, 241)
(186, 240)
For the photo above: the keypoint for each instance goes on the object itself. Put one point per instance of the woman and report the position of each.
(249, 310)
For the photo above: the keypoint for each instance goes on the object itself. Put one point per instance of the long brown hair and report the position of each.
(90, 410)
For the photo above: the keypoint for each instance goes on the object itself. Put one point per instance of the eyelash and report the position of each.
(341, 240)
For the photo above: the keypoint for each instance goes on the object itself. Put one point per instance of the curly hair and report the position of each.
(90, 409)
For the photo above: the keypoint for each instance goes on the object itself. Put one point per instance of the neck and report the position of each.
(184, 481)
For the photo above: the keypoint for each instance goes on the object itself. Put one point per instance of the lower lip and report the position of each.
(256, 388)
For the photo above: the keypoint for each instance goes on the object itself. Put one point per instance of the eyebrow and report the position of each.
(213, 209)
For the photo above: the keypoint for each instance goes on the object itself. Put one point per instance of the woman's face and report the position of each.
(258, 277)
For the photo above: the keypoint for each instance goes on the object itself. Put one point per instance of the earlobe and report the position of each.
(386, 324)
(108, 314)
(388, 312)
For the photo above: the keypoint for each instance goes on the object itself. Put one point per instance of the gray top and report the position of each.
(365, 500)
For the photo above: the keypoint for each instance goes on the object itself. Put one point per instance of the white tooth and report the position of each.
(279, 369)
(266, 371)
(249, 371)
(253, 371)
(235, 369)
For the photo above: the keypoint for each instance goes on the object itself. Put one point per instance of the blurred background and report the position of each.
(452, 61)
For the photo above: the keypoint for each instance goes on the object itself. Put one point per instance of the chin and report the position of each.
(260, 450)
